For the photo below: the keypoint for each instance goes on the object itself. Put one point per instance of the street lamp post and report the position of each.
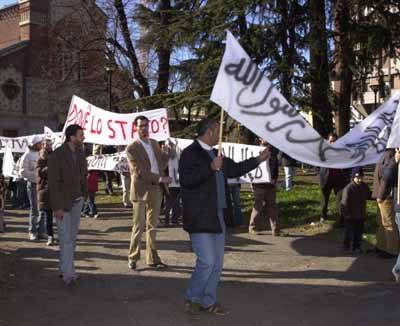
(109, 70)
(375, 89)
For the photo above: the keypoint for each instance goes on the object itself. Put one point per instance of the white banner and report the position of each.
(252, 99)
(237, 152)
(108, 162)
(20, 144)
(9, 166)
(109, 128)
(17, 145)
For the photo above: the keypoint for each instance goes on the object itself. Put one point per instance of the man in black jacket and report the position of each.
(332, 179)
(203, 182)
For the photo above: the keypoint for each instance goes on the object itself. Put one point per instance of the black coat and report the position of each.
(341, 181)
(199, 187)
(286, 160)
(354, 201)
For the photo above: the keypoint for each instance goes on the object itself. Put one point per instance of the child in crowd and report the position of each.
(89, 208)
(354, 207)
(2, 202)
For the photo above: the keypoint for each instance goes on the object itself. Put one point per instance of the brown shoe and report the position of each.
(192, 308)
(158, 265)
(216, 309)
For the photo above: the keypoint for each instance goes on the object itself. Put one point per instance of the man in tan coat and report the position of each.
(147, 163)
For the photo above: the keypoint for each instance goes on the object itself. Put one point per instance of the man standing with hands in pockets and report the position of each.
(203, 182)
(147, 163)
(68, 189)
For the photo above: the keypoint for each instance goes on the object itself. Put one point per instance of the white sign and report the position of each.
(236, 152)
(9, 166)
(109, 128)
(17, 145)
(251, 98)
(109, 162)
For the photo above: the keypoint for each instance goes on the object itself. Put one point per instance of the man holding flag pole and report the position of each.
(203, 172)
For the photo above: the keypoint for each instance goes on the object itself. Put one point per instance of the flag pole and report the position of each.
(221, 127)
(398, 182)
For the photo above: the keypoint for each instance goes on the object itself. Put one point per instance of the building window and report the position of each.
(10, 133)
(10, 89)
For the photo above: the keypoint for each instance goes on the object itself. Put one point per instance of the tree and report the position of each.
(319, 68)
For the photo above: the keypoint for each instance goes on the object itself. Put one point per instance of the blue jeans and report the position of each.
(68, 228)
(89, 207)
(289, 174)
(46, 218)
(35, 225)
(209, 250)
(234, 192)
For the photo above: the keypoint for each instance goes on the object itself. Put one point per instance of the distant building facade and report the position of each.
(49, 50)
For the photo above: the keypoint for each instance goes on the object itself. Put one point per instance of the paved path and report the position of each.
(294, 280)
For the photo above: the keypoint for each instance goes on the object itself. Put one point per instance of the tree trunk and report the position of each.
(319, 70)
(163, 50)
(344, 59)
(130, 50)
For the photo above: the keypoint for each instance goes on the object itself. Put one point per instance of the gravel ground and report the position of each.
(299, 279)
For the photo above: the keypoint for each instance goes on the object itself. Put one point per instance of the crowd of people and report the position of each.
(55, 183)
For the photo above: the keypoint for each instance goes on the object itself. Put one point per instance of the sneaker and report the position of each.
(50, 241)
(96, 216)
(322, 220)
(32, 237)
(255, 232)
(396, 274)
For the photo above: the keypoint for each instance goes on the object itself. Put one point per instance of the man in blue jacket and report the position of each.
(203, 182)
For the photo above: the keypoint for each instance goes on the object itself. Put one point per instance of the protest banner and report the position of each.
(252, 99)
(109, 128)
(236, 152)
(108, 162)
(9, 167)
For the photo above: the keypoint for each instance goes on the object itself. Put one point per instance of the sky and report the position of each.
(6, 2)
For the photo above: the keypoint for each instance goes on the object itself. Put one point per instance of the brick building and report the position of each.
(49, 50)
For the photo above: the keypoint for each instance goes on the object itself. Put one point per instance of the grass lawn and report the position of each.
(297, 208)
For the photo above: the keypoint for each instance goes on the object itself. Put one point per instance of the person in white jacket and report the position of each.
(27, 171)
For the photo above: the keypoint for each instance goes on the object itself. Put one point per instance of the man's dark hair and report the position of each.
(204, 125)
(71, 131)
(140, 117)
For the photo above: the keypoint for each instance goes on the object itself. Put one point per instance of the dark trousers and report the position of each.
(22, 200)
(172, 205)
(89, 207)
(47, 216)
(353, 233)
(326, 192)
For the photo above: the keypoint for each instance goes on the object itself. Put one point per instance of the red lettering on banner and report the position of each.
(79, 118)
(73, 111)
(99, 126)
(122, 124)
(133, 130)
(87, 113)
(111, 129)
(92, 130)
(155, 127)
(164, 122)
